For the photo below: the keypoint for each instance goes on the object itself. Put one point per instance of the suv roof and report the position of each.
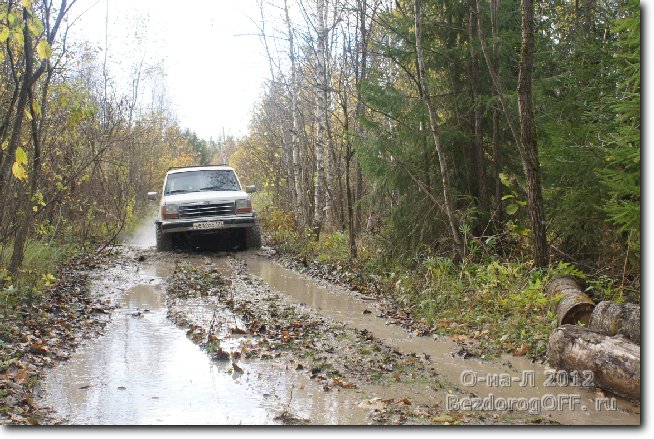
(199, 168)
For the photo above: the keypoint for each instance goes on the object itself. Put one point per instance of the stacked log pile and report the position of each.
(608, 343)
(613, 360)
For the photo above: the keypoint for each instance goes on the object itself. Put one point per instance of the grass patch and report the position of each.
(41, 262)
(501, 305)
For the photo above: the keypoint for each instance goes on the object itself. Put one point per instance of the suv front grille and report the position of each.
(202, 210)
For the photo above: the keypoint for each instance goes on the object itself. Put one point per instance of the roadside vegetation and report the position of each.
(454, 155)
(497, 304)
(79, 149)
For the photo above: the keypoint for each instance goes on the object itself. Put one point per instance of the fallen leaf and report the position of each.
(237, 368)
(344, 384)
(237, 331)
(220, 355)
(443, 418)
(20, 376)
(373, 404)
(38, 349)
(522, 351)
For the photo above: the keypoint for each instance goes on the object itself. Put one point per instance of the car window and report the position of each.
(198, 181)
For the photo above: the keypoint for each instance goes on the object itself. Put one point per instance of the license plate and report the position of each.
(208, 225)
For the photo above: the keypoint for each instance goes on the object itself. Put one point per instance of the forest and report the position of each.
(78, 153)
(455, 154)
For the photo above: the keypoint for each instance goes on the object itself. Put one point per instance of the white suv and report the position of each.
(204, 200)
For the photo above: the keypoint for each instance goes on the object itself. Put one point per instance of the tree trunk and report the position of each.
(29, 78)
(610, 318)
(360, 70)
(351, 234)
(497, 149)
(574, 306)
(319, 185)
(613, 361)
(289, 200)
(26, 85)
(526, 140)
(24, 211)
(358, 195)
(295, 143)
(329, 161)
(448, 205)
(529, 151)
(26, 214)
(477, 144)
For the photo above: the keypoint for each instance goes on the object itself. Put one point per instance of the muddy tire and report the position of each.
(253, 237)
(164, 241)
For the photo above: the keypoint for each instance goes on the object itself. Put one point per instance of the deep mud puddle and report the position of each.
(145, 371)
(346, 307)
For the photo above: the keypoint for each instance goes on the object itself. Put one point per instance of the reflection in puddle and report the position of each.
(343, 306)
(145, 371)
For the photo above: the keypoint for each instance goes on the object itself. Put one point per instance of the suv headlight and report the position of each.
(170, 211)
(243, 206)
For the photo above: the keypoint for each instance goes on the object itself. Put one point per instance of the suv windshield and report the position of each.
(196, 181)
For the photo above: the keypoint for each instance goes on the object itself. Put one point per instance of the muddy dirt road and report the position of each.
(235, 338)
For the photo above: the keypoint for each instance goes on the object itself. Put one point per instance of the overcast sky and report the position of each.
(213, 60)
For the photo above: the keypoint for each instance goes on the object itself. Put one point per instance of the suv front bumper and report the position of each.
(186, 225)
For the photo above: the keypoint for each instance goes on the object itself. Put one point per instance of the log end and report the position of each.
(578, 314)
(575, 309)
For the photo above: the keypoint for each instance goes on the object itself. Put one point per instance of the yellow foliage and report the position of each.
(19, 171)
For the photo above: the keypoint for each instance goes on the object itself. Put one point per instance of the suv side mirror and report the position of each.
(152, 196)
(250, 189)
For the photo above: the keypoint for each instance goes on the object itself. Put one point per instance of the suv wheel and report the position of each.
(164, 241)
(253, 237)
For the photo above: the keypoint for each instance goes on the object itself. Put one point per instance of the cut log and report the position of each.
(610, 318)
(574, 306)
(614, 361)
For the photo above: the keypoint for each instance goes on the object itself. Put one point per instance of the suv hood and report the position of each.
(205, 196)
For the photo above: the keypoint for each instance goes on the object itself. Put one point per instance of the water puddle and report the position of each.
(294, 391)
(345, 307)
(145, 371)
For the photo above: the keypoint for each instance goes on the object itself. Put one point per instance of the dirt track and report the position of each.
(235, 338)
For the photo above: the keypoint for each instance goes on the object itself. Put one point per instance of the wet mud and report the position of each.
(144, 370)
(229, 337)
(354, 311)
